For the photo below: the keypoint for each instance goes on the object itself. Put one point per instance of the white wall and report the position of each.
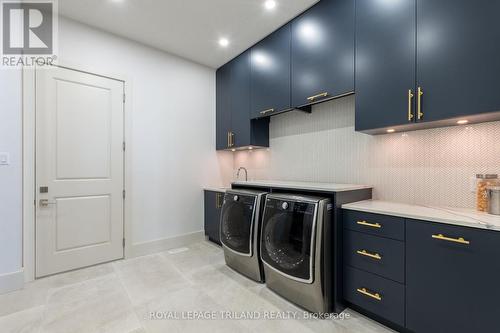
(173, 136)
(11, 175)
(429, 167)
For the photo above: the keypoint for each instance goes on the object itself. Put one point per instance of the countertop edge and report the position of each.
(458, 222)
(215, 189)
(303, 187)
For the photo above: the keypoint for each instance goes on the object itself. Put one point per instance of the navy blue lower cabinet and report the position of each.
(382, 297)
(375, 224)
(213, 206)
(382, 256)
(452, 277)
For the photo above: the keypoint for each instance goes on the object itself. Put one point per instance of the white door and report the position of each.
(79, 170)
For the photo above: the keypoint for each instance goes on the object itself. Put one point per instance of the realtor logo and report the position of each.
(28, 28)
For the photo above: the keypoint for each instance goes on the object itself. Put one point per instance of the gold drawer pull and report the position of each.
(368, 254)
(410, 113)
(369, 294)
(312, 98)
(459, 240)
(367, 224)
(420, 114)
(266, 111)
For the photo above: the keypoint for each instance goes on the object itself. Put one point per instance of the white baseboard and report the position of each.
(159, 245)
(11, 281)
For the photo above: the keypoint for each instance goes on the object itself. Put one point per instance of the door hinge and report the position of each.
(123, 98)
(123, 242)
(123, 194)
(123, 145)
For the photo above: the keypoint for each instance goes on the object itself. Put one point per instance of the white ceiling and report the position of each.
(188, 28)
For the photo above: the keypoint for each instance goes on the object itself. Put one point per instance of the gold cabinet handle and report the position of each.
(459, 240)
(230, 139)
(368, 254)
(312, 98)
(369, 294)
(420, 114)
(410, 112)
(266, 111)
(367, 224)
(219, 200)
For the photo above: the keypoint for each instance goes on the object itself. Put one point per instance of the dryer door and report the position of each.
(288, 234)
(236, 227)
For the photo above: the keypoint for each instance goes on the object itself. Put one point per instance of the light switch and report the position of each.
(4, 158)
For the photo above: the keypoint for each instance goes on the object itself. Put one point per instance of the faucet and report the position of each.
(246, 173)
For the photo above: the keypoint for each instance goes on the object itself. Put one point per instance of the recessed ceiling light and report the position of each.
(270, 4)
(223, 42)
(391, 130)
(462, 121)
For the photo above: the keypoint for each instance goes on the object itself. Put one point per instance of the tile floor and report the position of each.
(157, 293)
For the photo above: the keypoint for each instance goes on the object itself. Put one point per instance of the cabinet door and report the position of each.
(385, 62)
(223, 112)
(239, 90)
(323, 52)
(452, 287)
(458, 57)
(270, 76)
(213, 205)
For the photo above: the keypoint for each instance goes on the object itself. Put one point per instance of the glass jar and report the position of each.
(483, 181)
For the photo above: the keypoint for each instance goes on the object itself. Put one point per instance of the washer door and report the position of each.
(287, 243)
(236, 227)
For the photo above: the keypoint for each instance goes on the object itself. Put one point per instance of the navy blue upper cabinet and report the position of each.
(239, 91)
(426, 63)
(458, 57)
(385, 63)
(235, 129)
(323, 52)
(452, 278)
(223, 111)
(270, 74)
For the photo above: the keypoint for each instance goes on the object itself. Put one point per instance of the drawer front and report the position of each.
(374, 224)
(380, 296)
(378, 255)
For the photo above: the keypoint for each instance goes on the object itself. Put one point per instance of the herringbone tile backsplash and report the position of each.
(429, 167)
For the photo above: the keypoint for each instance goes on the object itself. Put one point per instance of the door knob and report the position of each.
(46, 203)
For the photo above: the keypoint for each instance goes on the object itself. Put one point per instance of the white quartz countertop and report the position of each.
(215, 188)
(456, 216)
(328, 187)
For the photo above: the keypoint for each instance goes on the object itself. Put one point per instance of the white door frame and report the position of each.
(29, 168)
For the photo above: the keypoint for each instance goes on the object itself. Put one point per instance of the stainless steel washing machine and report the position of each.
(240, 231)
(292, 248)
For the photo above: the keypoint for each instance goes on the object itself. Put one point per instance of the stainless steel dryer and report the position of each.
(292, 248)
(240, 231)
